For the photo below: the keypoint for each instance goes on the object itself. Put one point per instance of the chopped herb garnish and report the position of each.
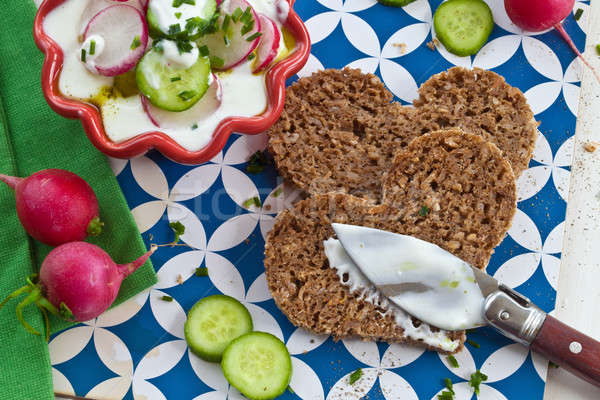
(598, 49)
(251, 56)
(278, 192)
(174, 29)
(203, 271)
(454, 284)
(166, 298)
(195, 126)
(175, 78)
(256, 163)
(247, 28)
(256, 35)
(246, 17)
(92, 47)
(178, 3)
(237, 13)
(191, 24)
(452, 361)
(553, 364)
(213, 25)
(204, 51)
(424, 211)
(177, 15)
(226, 40)
(217, 62)
(254, 201)
(355, 376)
(184, 46)
(578, 14)
(473, 343)
(445, 395)
(187, 95)
(226, 21)
(476, 379)
(83, 54)
(448, 384)
(178, 228)
(137, 42)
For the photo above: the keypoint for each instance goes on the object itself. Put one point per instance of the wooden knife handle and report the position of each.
(570, 349)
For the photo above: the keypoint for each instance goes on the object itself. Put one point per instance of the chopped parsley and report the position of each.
(476, 379)
(174, 29)
(92, 47)
(278, 192)
(204, 51)
(175, 78)
(578, 14)
(177, 15)
(355, 376)
(83, 55)
(178, 228)
(217, 62)
(452, 361)
(137, 42)
(203, 271)
(184, 46)
(256, 35)
(473, 343)
(256, 163)
(178, 3)
(187, 95)
(254, 201)
(424, 211)
(195, 126)
(251, 56)
(166, 298)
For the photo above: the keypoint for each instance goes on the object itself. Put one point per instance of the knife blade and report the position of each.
(418, 276)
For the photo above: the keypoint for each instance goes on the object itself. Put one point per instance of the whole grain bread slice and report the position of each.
(480, 102)
(453, 189)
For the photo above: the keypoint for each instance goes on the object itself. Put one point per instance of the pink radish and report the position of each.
(55, 206)
(125, 35)
(95, 6)
(239, 48)
(208, 105)
(539, 15)
(77, 281)
(269, 44)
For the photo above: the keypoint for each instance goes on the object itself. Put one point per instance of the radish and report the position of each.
(269, 44)
(205, 107)
(55, 206)
(123, 33)
(95, 6)
(242, 36)
(77, 281)
(539, 15)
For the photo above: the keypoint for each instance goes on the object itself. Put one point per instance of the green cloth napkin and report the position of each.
(33, 137)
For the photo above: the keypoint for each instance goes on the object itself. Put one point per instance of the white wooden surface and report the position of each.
(578, 297)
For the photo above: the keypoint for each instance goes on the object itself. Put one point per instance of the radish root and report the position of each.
(561, 30)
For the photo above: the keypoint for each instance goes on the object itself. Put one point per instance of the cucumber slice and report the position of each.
(212, 323)
(258, 365)
(396, 3)
(163, 18)
(463, 26)
(168, 87)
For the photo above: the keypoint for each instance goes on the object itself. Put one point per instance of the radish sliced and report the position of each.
(95, 6)
(269, 44)
(239, 47)
(208, 105)
(119, 26)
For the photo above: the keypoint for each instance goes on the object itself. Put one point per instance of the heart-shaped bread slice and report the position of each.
(311, 294)
(339, 130)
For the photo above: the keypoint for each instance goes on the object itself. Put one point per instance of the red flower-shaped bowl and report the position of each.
(92, 121)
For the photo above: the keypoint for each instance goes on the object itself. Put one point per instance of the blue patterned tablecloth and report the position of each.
(137, 350)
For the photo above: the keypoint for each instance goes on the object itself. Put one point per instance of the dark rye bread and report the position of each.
(337, 132)
(453, 189)
(480, 102)
(303, 285)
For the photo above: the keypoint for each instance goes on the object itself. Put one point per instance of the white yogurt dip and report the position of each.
(244, 94)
